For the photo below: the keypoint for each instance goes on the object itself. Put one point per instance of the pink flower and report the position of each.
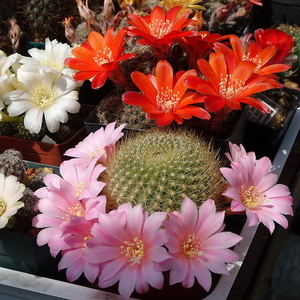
(128, 249)
(98, 144)
(83, 178)
(253, 189)
(237, 151)
(57, 205)
(197, 244)
(77, 232)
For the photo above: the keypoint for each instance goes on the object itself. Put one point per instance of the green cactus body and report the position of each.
(26, 135)
(135, 118)
(158, 168)
(45, 17)
(293, 31)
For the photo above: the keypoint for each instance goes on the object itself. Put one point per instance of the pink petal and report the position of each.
(127, 283)
(111, 269)
(153, 277)
(202, 274)
(189, 213)
(179, 270)
(221, 240)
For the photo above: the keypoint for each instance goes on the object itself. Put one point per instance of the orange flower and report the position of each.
(229, 84)
(98, 58)
(165, 98)
(253, 52)
(160, 29)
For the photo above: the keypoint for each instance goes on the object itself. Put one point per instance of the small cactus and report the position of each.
(11, 163)
(135, 118)
(293, 31)
(24, 133)
(158, 168)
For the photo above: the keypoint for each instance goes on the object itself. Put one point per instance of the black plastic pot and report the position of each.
(265, 139)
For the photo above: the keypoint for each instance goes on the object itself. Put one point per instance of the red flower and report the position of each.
(165, 98)
(98, 58)
(281, 40)
(160, 29)
(263, 57)
(198, 46)
(229, 84)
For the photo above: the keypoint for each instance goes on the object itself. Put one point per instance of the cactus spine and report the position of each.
(158, 168)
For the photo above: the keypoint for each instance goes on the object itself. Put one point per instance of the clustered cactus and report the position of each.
(158, 168)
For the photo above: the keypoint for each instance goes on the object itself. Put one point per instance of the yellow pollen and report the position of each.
(103, 57)
(43, 96)
(86, 239)
(51, 64)
(160, 29)
(74, 211)
(166, 100)
(79, 186)
(253, 197)
(135, 250)
(96, 152)
(2, 207)
(191, 246)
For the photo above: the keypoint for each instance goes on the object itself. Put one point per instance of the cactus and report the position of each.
(294, 31)
(135, 118)
(22, 220)
(158, 168)
(11, 163)
(26, 135)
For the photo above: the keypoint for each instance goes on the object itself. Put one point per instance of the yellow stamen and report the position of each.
(43, 96)
(159, 29)
(191, 246)
(103, 57)
(135, 250)
(2, 207)
(51, 64)
(253, 197)
(79, 186)
(74, 211)
(166, 100)
(96, 152)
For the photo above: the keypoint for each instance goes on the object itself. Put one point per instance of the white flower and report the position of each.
(7, 62)
(51, 59)
(40, 94)
(10, 192)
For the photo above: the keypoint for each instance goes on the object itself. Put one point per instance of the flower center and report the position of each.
(88, 237)
(51, 64)
(166, 100)
(74, 211)
(230, 88)
(135, 250)
(191, 246)
(43, 96)
(103, 57)
(160, 28)
(2, 207)
(79, 186)
(96, 152)
(253, 197)
(255, 60)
